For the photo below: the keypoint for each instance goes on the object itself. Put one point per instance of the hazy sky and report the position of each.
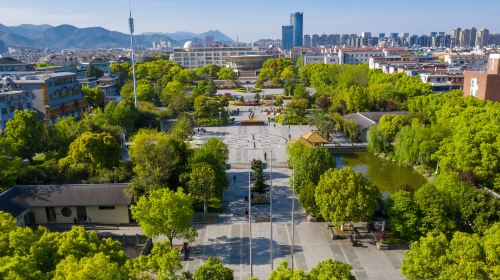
(254, 19)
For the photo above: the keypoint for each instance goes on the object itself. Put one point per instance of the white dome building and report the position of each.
(188, 45)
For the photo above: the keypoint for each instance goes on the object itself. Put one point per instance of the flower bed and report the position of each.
(252, 122)
(251, 104)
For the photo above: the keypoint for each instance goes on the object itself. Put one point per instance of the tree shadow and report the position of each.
(235, 251)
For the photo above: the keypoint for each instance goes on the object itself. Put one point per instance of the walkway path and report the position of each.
(229, 237)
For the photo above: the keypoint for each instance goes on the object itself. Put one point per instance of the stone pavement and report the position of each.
(229, 237)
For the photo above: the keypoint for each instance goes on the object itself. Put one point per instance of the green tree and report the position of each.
(296, 111)
(404, 215)
(464, 257)
(171, 90)
(310, 165)
(94, 151)
(390, 125)
(213, 269)
(377, 141)
(215, 153)
(158, 160)
(345, 195)
(11, 166)
(122, 114)
(438, 213)
(323, 122)
(26, 133)
(97, 267)
(202, 183)
(163, 262)
(282, 272)
(165, 212)
(94, 96)
(427, 258)
(210, 110)
(227, 74)
(331, 270)
(122, 70)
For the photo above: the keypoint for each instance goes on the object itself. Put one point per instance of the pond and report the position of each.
(385, 174)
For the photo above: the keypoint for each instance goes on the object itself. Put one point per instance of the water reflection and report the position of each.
(385, 174)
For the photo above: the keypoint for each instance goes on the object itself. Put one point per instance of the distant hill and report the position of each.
(183, 36)
(70, 37)
(3, 47)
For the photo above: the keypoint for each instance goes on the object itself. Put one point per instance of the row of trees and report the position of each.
(355, 88)
(458, 134)
(165, 83)
(81, 255)
(339, 196)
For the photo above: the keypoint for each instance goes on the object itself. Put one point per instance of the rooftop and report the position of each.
(10, 60)
(19, 198)
(365, 120)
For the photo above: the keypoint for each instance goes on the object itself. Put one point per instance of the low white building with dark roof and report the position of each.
(61, 204)
(365, 120)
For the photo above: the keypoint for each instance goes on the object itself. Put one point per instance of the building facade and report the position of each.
(55, 95)
(63, 204)
(297, 21)
(287, 37)
(12, 100)
(192, 57)
(484, 86)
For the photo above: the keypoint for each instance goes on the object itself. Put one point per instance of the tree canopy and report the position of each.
(345, 195)
(165, 212)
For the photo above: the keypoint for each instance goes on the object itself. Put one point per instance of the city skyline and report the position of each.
(233, 19)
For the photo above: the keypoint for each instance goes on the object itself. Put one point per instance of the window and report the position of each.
(106, 207)
(66, 211)
(474, 87)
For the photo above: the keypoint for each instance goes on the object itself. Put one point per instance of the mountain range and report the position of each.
(70, 37)
(183, 36)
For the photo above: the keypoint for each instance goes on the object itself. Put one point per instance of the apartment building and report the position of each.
(12, 100)
(55, 95)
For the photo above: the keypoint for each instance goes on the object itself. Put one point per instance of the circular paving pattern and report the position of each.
(254, 141)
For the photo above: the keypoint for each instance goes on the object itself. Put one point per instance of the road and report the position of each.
(228, 238)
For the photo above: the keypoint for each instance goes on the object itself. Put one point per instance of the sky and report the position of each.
(256, 19)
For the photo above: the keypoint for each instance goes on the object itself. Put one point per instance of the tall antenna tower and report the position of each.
(131, 26)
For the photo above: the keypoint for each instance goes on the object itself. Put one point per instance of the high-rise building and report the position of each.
(366, 35)
(287, 37)
(315, 40)
(456, 36)
(482, 38)
(297, 22)
(473, 35)
(465, 38)
(307, 41)
(381, 35)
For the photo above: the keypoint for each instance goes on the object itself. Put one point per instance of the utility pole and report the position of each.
(250, 214)
(271, 209)
(293, 220)
(131, 27)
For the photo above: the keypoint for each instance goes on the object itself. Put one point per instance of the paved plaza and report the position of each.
(229, 237)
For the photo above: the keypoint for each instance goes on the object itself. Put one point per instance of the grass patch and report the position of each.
(214, 205)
